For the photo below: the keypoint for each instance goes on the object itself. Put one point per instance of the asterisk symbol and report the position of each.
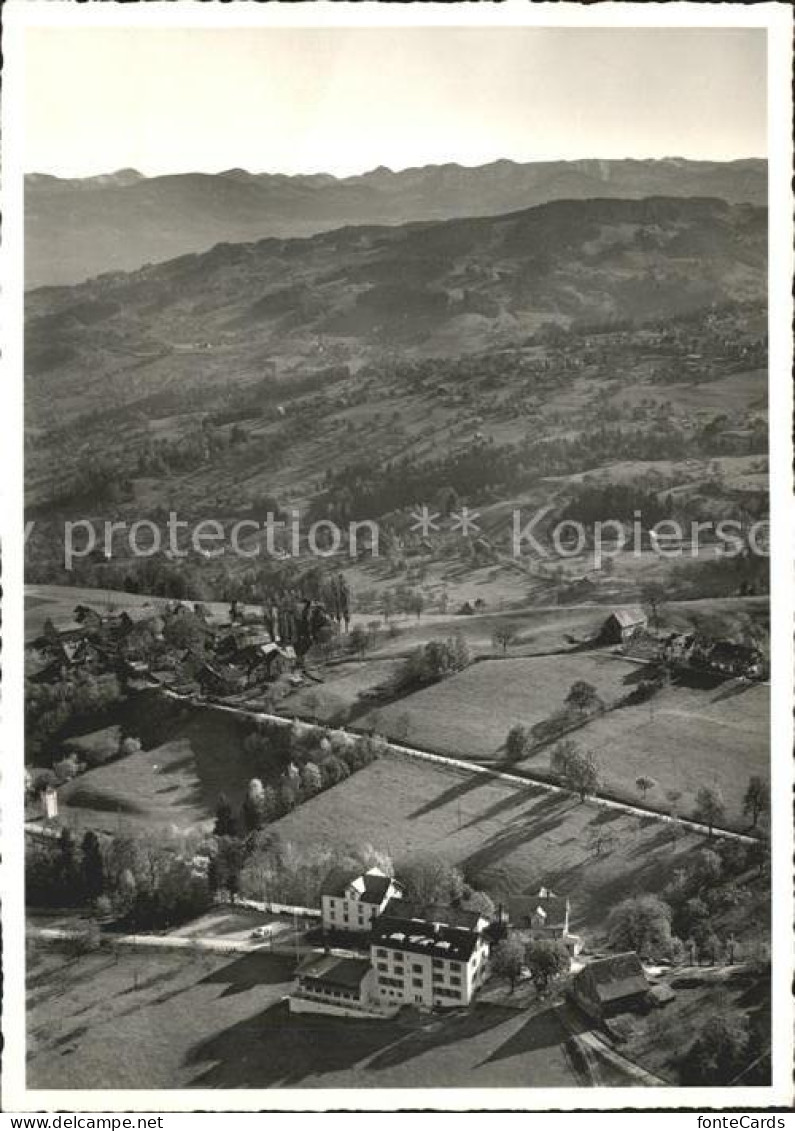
(424, 520)
(466, 521)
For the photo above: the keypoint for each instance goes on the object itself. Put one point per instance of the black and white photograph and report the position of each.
(398, 654)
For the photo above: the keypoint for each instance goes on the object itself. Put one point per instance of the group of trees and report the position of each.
(50, 707)
(262, 866)
(578, 770)
(298, 762)
(544, 959)
(688, 923)
(369, 488)
(434, 661)
(141, 882)
(710, 808)
(729, 1048)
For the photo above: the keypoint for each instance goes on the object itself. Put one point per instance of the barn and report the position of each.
(622, 624)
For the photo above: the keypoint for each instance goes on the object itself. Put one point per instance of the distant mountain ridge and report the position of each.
(78, 228)
(440, 287)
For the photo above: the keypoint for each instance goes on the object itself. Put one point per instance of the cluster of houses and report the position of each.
(628, 627)
(221, 654)
(435, 956)
(721, 657)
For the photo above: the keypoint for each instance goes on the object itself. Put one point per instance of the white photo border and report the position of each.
(777, 19)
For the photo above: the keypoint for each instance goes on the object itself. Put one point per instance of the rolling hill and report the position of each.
(119, 221)
(232, 309)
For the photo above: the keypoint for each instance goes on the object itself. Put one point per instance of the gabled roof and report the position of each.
(610, 979)
(375, 888)
(629, 615)
(334, 970)
(429, 913)
(370, 887)
(551, 909)
(335, 883)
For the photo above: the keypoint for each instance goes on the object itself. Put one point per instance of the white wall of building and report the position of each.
(425, 980)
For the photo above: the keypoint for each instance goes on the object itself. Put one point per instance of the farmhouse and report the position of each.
(427, 963)
(611, 985)
(735, 659)
(352, 903)
(622, 624)
(544, 917)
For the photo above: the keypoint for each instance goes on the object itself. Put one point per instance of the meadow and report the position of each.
(174, 782)
(469, 715)
(161, 1021)
(509, 839)
(683, 739)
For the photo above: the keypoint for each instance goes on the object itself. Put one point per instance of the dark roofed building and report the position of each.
(333, 980)
(543, 910)
(352, 903)
(622, 624)
(440, 913)
(611, 985)
(416, 937)
(544, 916)
(426, 964)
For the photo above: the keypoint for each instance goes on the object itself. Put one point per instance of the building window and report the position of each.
(382, 966)
(417, 983)
(416, 968)
(455, 980)
(380, 953)
(438, 963)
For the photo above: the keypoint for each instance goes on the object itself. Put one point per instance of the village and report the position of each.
(367, 943)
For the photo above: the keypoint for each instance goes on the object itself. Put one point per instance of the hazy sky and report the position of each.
(345, 100)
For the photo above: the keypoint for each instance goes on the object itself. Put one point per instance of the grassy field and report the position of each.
(509, 839)
(469, 715)
(167, 1021)
(174, 781)
(684, 739)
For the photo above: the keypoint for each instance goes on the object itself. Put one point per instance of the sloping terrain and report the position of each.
(226, 314)
(120, 221)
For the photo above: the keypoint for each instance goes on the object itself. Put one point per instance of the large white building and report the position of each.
(428, 961)
(352, 904)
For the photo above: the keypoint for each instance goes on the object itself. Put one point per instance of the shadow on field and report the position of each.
(85, 797)
(279, 1048)
(438, 1033)
(732, 690)
(504, 843)
(547, 802)
(250, 971)
(607, 816)
(541, 1031)
(468, 785)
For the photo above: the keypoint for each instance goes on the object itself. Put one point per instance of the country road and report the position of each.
(400, 749)
(175, 942)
